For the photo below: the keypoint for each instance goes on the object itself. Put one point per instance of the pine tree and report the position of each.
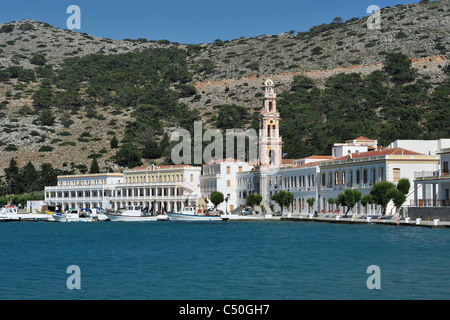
(151, 150)
(128, 155)
(46, 118)
(398, 66)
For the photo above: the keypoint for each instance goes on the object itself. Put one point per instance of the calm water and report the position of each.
(223, 260)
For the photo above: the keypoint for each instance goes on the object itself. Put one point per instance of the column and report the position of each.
(416, 201)
(263, 190)
(424, 194)
(433, 195)
(441, 196)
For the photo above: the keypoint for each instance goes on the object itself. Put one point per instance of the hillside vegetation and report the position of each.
(67, 98)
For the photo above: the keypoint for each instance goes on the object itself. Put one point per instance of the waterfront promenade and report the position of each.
(366, 220)
(429, 223)
(344, 220)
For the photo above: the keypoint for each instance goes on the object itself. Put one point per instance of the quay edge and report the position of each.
(387, 222)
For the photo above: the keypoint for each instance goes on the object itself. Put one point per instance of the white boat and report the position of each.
(73, 216)
(11, 213)
(97, 213)
(8, 210)
(134, 214)
(190, 214)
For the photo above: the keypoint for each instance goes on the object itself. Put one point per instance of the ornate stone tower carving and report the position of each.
(270, 141)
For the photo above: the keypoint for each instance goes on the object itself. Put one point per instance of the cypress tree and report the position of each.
(94, 166)
(29, 177)
(12, 177)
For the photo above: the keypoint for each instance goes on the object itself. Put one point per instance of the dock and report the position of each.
(368, 220)
(26, 218)
(237, 217)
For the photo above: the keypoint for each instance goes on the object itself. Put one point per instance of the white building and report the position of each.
(302, 181)
(312, 159)
(430, 147)
(432, 188)
(361, 144)
(157, 188)
(168, 187)
(83, 191)
(362, 170)
(222, 175)
(35, 206)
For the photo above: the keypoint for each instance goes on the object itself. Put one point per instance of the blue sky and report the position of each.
(189, 21)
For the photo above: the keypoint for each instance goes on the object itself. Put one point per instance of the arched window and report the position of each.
(272, 157)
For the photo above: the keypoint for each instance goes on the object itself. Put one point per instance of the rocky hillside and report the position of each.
(418, 30)
(224, 72)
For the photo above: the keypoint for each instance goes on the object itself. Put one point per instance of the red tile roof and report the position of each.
(310, 164)
(363, 138)
(319, 157)
(287, 161)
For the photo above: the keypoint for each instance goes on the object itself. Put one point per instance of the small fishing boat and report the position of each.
(190, 214)
(11, 213)
(134, 214)
(74, 216)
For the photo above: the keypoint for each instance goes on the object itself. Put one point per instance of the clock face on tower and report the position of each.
(271, 122)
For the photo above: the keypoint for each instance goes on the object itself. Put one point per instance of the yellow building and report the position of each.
(158, 187)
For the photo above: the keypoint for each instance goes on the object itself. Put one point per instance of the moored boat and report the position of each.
(11, 213)
(134, 214)
(96, 213)
(73, 216)
(190, 214)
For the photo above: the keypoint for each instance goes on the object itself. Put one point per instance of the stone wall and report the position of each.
(430, 213)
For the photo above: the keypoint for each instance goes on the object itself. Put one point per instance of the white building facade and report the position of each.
(302, 181)
(222, 175)
(432, 188)
(83, 191)
(362, 171)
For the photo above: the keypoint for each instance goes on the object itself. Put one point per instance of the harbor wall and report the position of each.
(429, 213)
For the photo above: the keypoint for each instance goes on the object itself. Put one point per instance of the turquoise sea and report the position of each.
(222, 261)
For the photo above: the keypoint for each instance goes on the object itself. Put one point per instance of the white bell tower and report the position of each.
(270, 141)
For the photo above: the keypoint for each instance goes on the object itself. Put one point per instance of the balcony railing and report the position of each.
(430, 203)
(430, 174)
